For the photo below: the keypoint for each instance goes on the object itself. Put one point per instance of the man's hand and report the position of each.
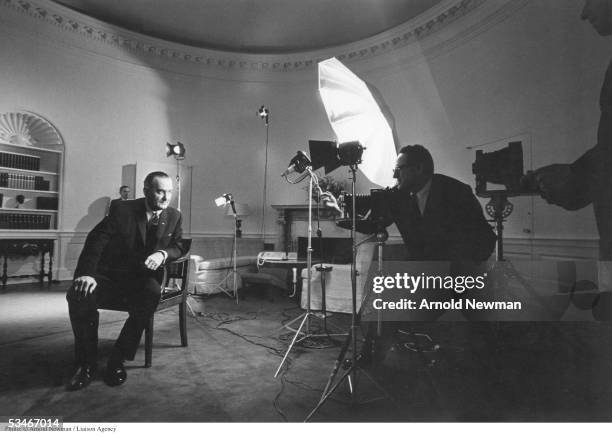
(329, 200)
(84, 285)
(154, 261)
(554, 183)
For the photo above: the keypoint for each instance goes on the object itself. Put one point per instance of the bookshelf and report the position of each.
(31, 168)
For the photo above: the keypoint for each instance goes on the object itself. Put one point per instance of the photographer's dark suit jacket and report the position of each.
(118, 242)
(452, 227)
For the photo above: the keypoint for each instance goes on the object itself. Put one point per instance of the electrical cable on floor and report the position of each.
(224, 319)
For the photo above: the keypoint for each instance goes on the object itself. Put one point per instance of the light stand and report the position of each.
(178, 152)
(306, 316)
(234, 272)
(224, 200)
(350, 366)
(264, 114)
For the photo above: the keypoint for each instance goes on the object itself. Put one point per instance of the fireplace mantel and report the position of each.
(293, 223)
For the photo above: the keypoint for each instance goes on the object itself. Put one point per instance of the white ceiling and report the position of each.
(255, 26)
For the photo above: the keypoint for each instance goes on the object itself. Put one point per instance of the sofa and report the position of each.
(211, 262)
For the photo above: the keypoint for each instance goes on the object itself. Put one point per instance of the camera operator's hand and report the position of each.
(555, 183)
(329, 200)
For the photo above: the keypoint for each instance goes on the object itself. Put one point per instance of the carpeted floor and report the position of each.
(479, 372)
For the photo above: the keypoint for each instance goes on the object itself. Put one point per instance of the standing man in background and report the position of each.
(124, 194)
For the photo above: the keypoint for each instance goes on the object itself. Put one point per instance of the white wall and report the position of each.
(535, 73)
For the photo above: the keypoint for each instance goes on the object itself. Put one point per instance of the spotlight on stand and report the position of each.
(350, 153)
(235, 210)
(264, 114)
(177, 150)
(298, 164)
(331, 155)
(223, 200)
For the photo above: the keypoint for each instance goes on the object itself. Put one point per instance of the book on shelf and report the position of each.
(11, 220)
(24, 182)
(46, 202)
(20, 161)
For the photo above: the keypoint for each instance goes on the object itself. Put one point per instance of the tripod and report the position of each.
(350, 366)
(308, 314)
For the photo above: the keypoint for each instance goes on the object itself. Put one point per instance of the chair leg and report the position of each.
(149, 343)
(183, 322)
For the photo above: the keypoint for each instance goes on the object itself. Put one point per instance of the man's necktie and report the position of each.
(152, 230)
(413, 208)
(154, 218)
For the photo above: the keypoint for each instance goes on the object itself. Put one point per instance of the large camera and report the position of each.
(503, 167)
(372, 210)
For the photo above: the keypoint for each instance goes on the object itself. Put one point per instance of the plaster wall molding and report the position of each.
(416, 32)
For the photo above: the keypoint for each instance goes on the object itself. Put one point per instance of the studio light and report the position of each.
(350, 153)
(330, 155)
(264, 114)
(234, 210)
(298, 164)
(177, 150)
(223, 200)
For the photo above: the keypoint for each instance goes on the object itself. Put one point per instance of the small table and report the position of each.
(277, 272)
(28, 247)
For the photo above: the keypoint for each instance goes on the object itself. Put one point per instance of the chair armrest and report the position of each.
(177, 269)
(182, 259)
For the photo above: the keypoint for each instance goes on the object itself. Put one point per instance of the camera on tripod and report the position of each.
(373, 208)
(504, 167)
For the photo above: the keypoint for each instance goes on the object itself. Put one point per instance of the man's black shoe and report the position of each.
(115, 373)
(81, 378)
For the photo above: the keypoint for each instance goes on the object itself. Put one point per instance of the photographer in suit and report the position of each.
(589, 179)
(120, 260)
(439, 219)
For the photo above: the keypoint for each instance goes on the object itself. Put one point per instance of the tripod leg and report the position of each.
(337, 364)
(298, 332)
(328, 394)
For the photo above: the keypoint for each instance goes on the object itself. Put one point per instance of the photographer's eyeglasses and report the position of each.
(397, 169)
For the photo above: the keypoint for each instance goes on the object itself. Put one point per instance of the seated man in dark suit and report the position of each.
(120, 260)
(439, 219)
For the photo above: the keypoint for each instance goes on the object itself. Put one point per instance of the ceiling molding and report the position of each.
(412, 32)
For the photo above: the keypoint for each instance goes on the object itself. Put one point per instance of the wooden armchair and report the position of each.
(173, 292)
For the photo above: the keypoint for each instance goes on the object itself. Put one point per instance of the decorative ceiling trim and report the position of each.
(90, 28)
